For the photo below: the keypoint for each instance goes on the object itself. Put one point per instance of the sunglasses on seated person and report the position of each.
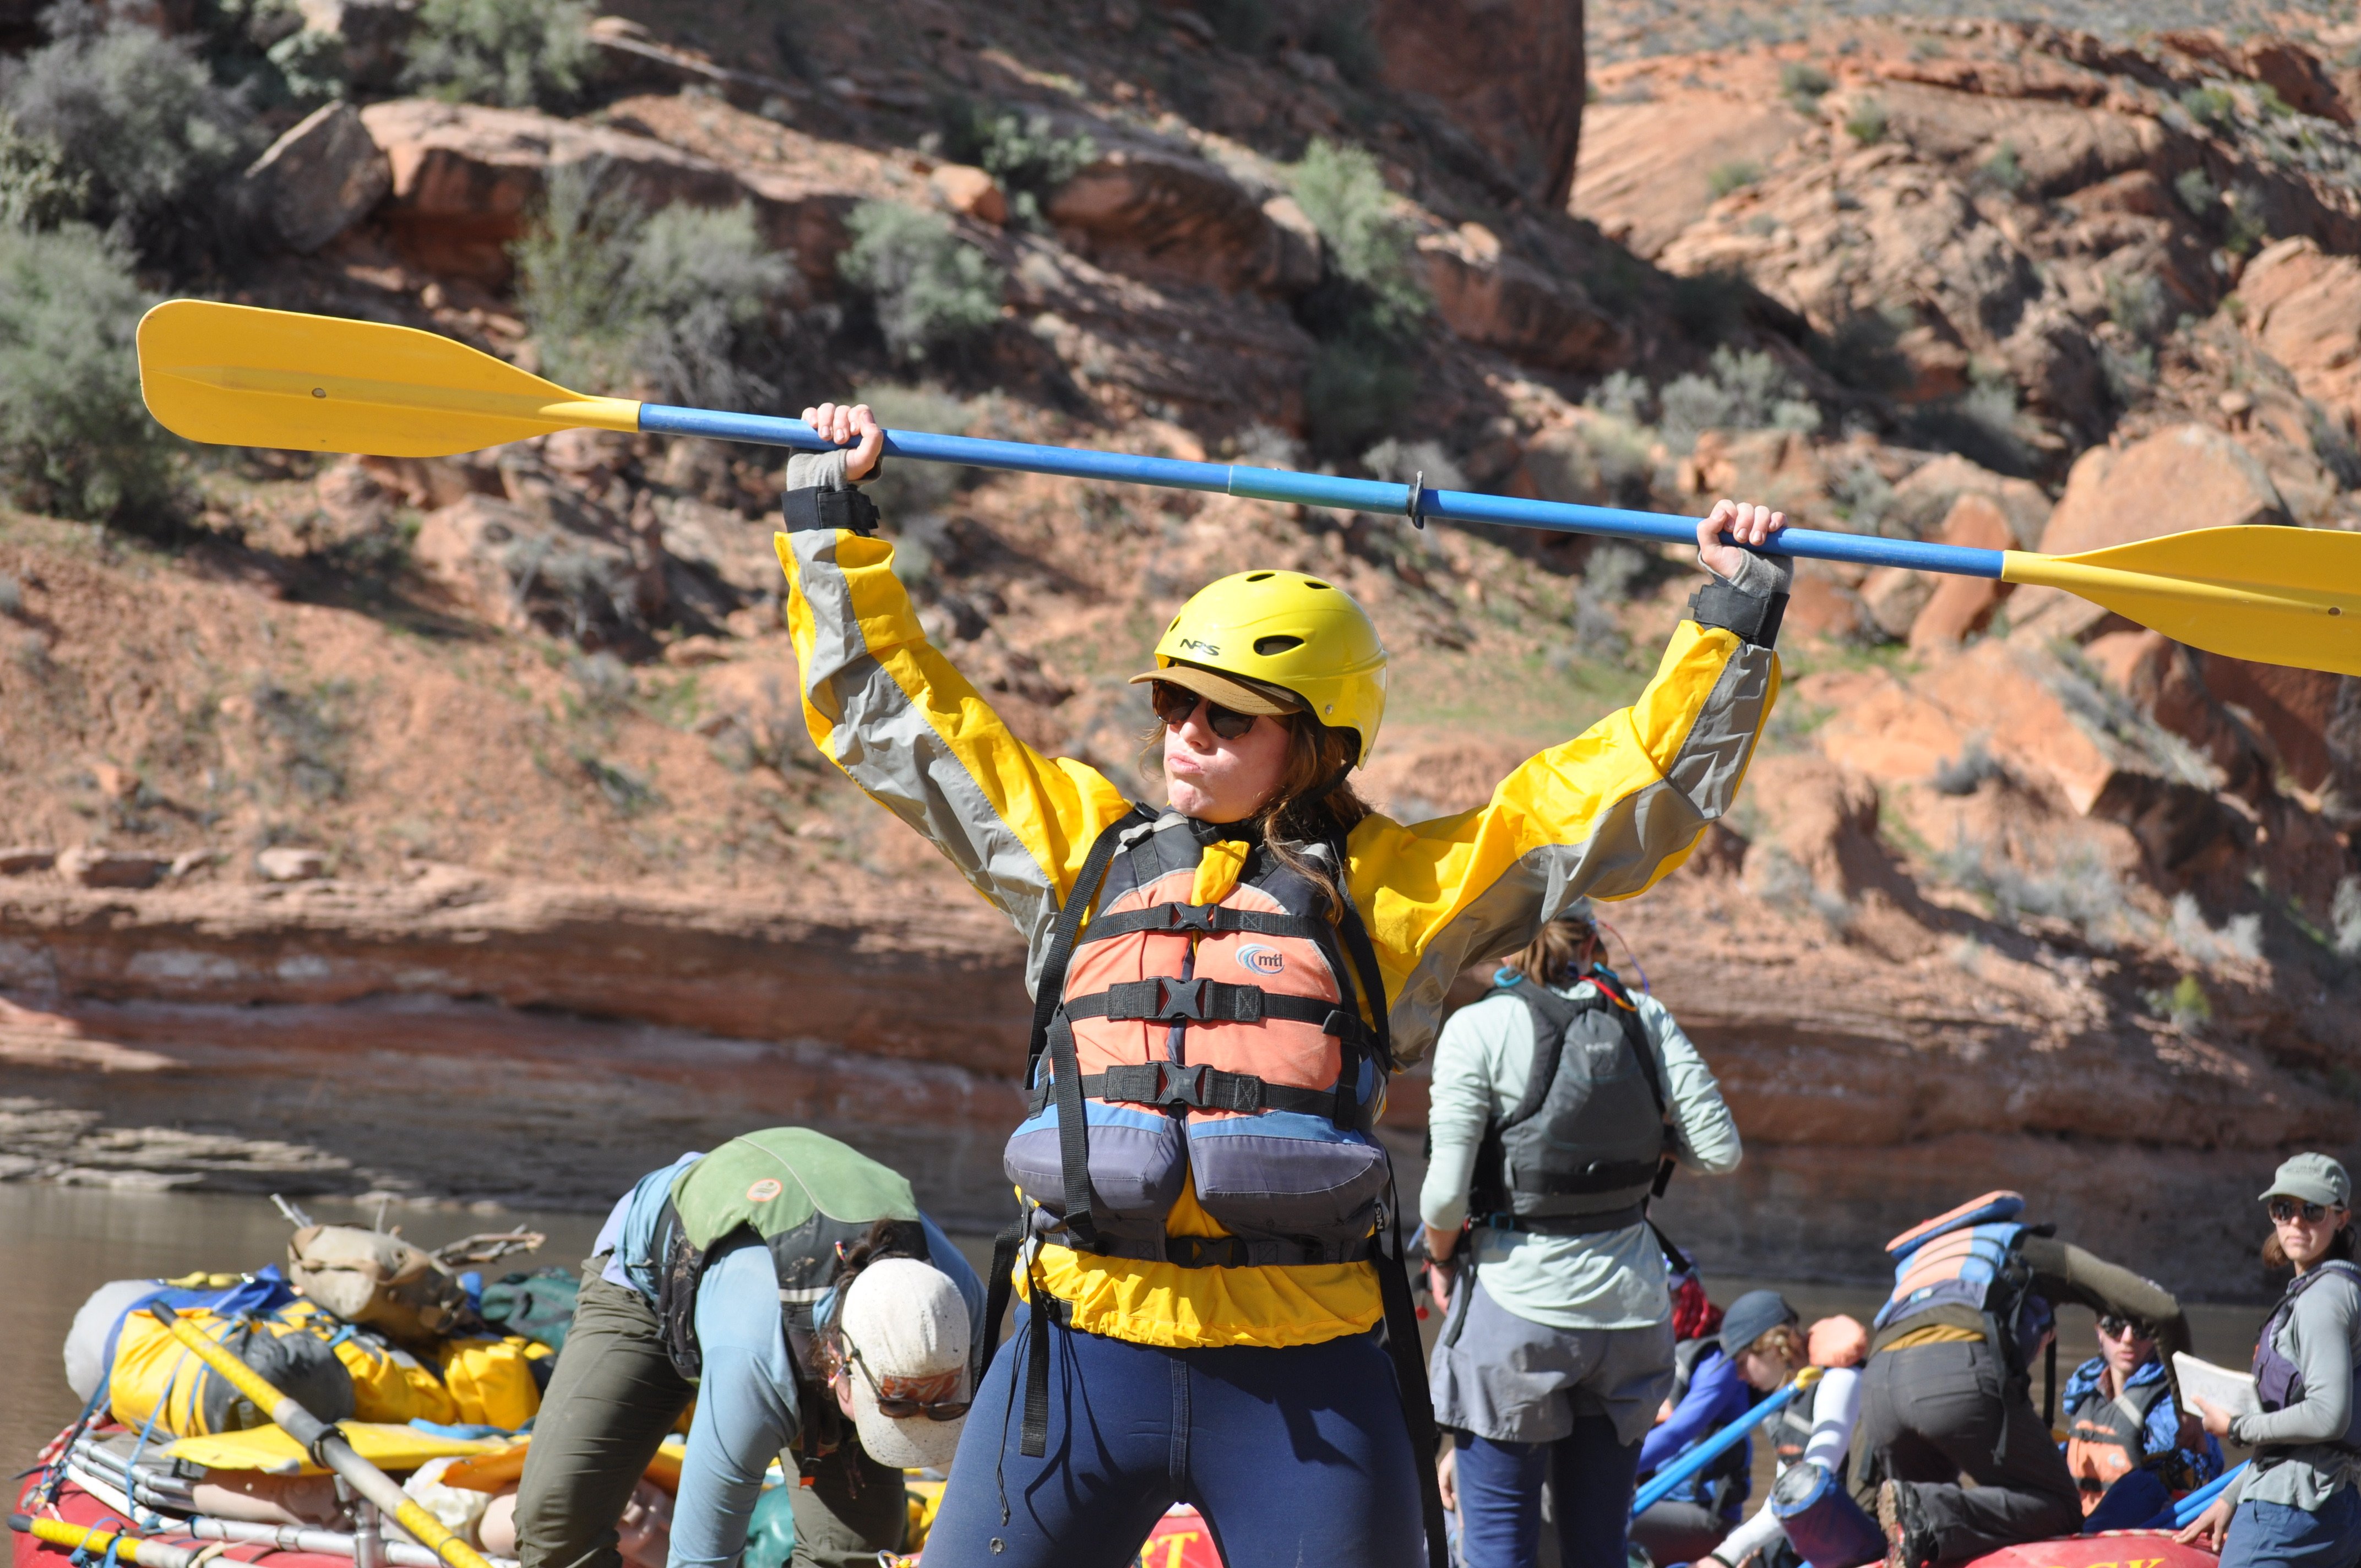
(2115, 1327)
(1174, 704)
(2288, 1208)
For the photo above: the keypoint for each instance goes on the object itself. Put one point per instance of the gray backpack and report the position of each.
(1589, 1142)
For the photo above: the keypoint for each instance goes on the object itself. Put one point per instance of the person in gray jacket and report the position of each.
(2296, 1505)
(1560, 1103)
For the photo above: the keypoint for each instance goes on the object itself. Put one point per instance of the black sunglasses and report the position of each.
(2115, 1327)
(2288, 1208)
(1174, 704)
(899, 1409)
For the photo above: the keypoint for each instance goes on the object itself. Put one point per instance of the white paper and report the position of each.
(2217, 1386)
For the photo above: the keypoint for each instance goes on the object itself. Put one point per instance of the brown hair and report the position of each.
(2339, 1245)
(1545, 959)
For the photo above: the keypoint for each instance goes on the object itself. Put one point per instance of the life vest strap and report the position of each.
(1231, 1252)
(1203, 920)
(1177, 1087)
(1599, 1175)
(1567, 1224)
(1165, 1000)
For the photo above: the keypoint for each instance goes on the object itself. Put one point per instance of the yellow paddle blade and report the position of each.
(235, 375)
(2277, 596)
(387, 1445)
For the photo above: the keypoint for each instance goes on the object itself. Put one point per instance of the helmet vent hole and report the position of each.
(1313, 582)
(1260, 577)
(1267, 646)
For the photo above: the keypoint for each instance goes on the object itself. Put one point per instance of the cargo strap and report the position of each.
(1176, 1087)
(1233, 1252)
(1570, 1225)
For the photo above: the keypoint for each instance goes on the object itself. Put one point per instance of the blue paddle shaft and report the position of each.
(1318, 490)
(1709, 1449)
(2185, 1512)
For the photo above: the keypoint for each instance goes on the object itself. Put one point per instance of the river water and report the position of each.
(57, 1245)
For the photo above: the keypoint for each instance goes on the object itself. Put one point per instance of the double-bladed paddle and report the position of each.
(237, 376)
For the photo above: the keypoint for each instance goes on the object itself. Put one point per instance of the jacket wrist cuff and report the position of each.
(813, 508)
(1754, 616)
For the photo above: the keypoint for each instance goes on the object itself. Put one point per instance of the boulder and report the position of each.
(1172, 217)
(1508, 72)
(16, 859)
(2296, 75)
(1503, 301)
(319, 178)
(1962, 606)
(1646, 166)
(520, 569)
(1893, 595)
(1922, 502)
(286, 863)
(466, 178)
(2303, 309)
(89, 867)
(2188, 476)
(972, 192)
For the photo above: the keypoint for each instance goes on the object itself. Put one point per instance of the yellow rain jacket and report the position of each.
(1605, 814)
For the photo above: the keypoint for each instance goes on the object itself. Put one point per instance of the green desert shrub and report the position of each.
(1369, 306)
(1742, 391)
(522, 53)
(1366, 245)
(75, 440)
(934, 291)
(1024, 151)
(133, 125)
(676, 302)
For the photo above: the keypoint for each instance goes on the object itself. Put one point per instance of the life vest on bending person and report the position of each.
(809, 1199)
(1222, 1043)
(2107, 1439)
(2278, 1382)
(1723, 1484)
(1589, 1140)
(1969, 1257)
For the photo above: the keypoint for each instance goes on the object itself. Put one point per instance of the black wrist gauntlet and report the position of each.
(1755, 618)
(828, 508)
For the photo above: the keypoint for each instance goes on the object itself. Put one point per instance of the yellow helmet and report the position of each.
(1285, 630)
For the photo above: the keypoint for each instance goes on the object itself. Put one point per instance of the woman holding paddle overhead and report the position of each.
(1207, 1239)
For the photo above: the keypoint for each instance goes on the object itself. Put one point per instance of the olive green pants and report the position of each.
(610, 1402)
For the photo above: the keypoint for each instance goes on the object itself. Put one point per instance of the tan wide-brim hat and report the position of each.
(1234, 692)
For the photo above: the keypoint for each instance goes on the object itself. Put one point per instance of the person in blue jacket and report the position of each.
(1690, 1521)
(2131, 1447)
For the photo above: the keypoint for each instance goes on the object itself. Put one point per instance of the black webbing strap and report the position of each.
(1033, 1438)
(1051, 987)
(1165, 1000)
(816, 508)
(1204, 920)
(1073, 1133)
(1755, 618)
(999, 1286)
(1179, 1087)
(1372, 980)
(1598, 1176)
(1568, 1224)
(1410, 1374)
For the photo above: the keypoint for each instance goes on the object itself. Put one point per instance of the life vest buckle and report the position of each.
(1163, 1000)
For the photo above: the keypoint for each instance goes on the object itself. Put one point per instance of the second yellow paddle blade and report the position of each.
(2277, 596)
(236, 376)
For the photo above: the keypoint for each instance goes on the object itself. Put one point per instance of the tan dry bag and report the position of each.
(376, 1279)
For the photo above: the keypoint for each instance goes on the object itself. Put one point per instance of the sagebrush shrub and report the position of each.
(1340, 190)
(934, 291)
(521, 53)
(137, 124)
(75, 440)
(676, 302)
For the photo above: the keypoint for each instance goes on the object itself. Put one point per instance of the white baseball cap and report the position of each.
(904, 1328)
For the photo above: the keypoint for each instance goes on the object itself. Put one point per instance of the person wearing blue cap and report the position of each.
(2296, 1505)
(1690, 1521)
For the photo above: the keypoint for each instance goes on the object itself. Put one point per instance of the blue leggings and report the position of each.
(1294, 1457)
(1590, 1477)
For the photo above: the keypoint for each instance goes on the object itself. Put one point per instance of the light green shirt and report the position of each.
(1612, 1279)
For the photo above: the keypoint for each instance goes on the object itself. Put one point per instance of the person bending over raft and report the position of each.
(1709, 1394)
(2296, 1506)
(1946, 1389)
(1199, 1182)
(1557, 1345)
(791, 1285)
(2130, 1447)
(1810, 1434)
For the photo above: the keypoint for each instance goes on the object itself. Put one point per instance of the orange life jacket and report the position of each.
(2107, 1439)
(1222, 1041)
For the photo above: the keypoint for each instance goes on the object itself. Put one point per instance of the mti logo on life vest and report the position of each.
(1261, 959)
(764, 1191)
(1191, 645)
